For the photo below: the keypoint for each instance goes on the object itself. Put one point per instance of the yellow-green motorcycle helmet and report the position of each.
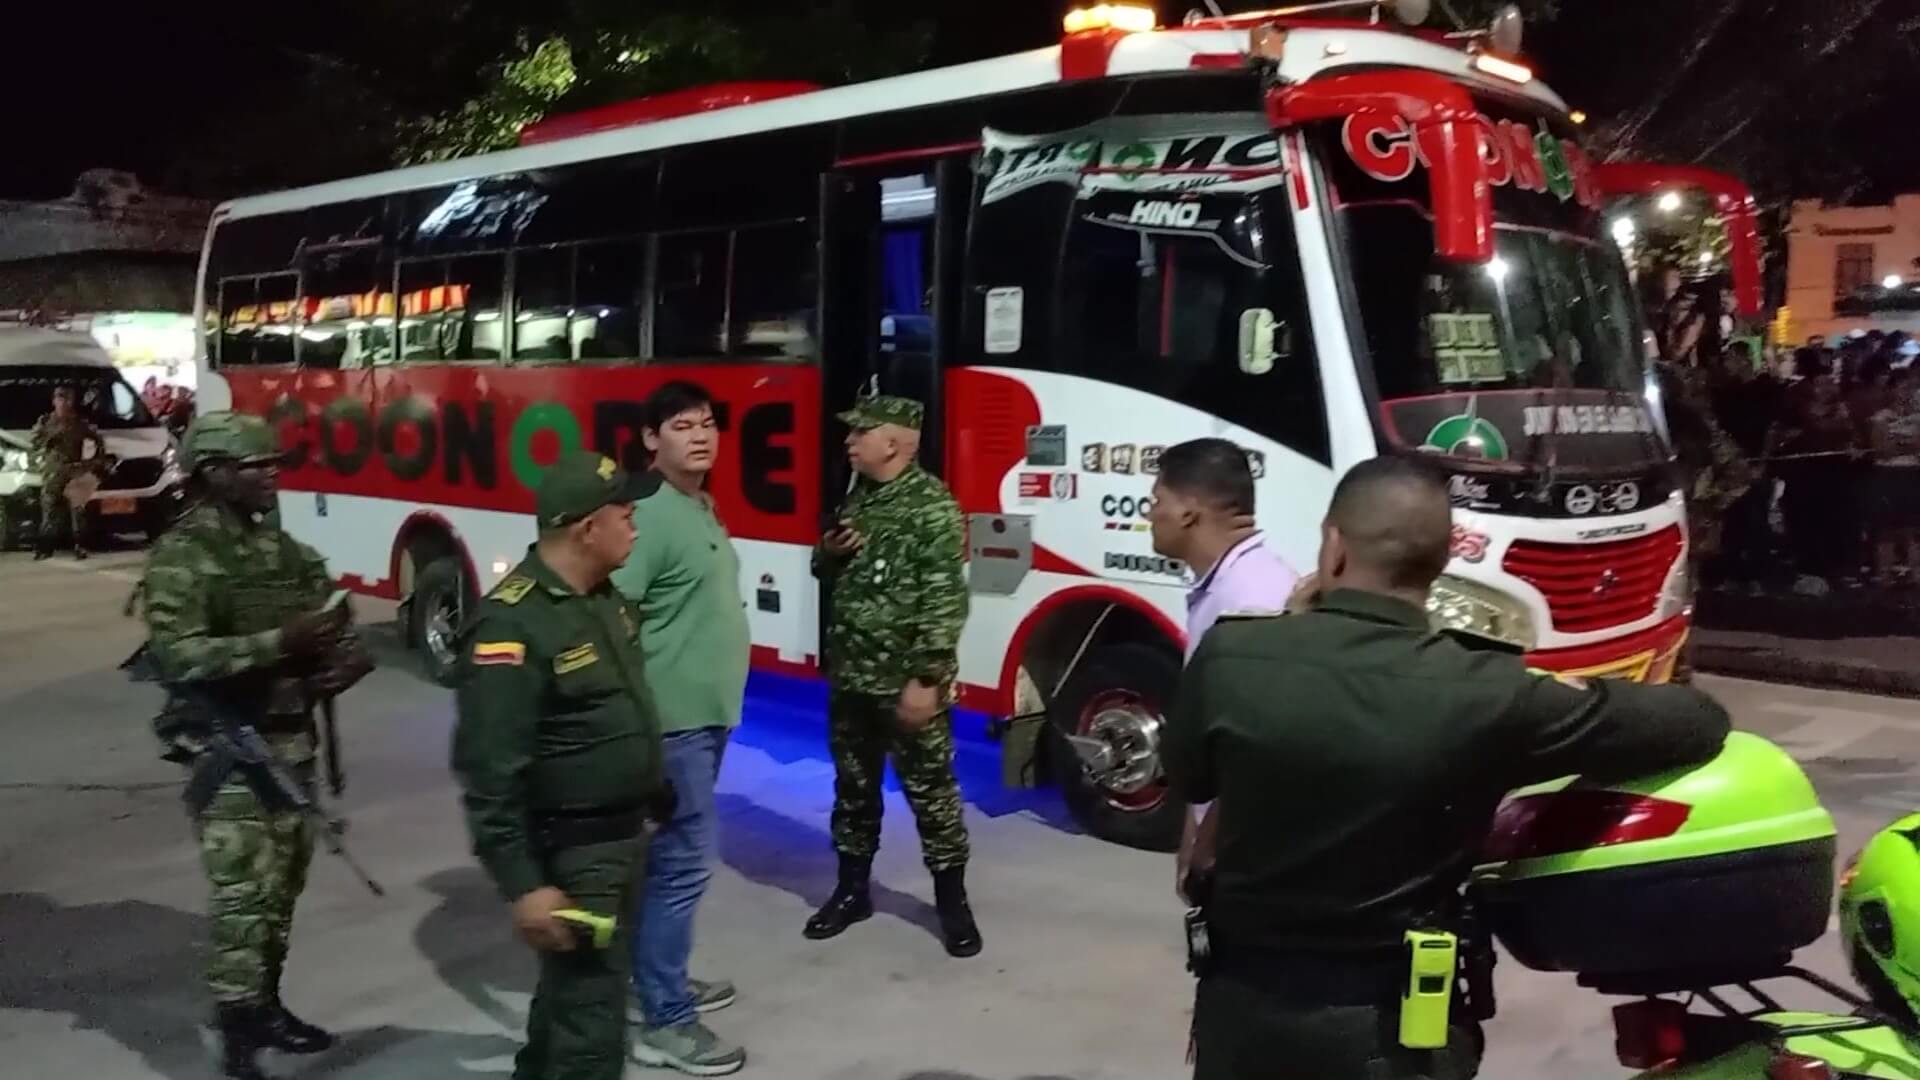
(1880, 916)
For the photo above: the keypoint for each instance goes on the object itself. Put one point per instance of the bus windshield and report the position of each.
(1549, 312)
(1537, 356)
(1136, 253)
(1152, 289)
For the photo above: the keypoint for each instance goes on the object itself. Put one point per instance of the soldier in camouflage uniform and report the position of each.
(234, 604)
(899, 601)
(1713, 473)
(60, 439)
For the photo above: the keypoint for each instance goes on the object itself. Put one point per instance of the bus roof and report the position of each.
(1309, 51)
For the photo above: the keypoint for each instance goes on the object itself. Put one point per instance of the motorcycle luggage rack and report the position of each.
(1704, 985)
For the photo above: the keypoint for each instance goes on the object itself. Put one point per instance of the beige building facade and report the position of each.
(1840, 260)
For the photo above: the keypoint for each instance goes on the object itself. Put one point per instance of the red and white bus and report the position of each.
(1325, 239)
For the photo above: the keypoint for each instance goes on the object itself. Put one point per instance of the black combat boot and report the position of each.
(242, 1037)
(850, 903)
(283, 1030)
(80, 552)
(42, 550)
(956, 917)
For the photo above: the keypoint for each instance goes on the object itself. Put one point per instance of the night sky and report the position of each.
(1804, 97)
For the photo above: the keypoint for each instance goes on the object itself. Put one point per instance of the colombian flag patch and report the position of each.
(512, 653)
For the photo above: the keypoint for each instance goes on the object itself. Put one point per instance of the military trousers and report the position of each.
(862, 733)
(57, 512)
(577, 1025)
(256, 861)
(1244, 1032)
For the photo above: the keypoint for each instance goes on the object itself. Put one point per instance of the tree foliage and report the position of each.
(576, 67)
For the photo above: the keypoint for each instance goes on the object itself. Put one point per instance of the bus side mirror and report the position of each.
(1263, 339)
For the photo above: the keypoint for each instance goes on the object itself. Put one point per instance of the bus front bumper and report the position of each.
(1648, 656)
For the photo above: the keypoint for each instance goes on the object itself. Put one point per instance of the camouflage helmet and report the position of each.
(228, 436)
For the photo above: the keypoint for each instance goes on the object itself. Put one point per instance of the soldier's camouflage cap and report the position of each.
(871, 412)
(229, 436)
(582, 482)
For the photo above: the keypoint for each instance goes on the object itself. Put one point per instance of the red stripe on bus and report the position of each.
(916, 154)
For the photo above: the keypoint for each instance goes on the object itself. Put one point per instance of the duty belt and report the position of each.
(1315, 978)
(558, 830)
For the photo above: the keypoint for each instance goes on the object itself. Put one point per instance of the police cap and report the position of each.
(582, 482)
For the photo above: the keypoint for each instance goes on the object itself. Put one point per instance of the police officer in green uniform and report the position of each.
(557, 751)
(1355, 799)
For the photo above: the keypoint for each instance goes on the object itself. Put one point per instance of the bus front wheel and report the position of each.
(1105, 727)
(441, 600)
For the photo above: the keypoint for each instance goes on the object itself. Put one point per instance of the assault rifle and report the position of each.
(201, 729)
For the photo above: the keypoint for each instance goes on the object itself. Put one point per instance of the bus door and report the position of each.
(892, 241)
(891, 251)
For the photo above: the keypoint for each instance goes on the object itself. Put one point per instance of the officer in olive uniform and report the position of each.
(557, 751)
(1355, 799)
(895, 561)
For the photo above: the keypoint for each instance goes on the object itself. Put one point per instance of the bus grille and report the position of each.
(1597, 586)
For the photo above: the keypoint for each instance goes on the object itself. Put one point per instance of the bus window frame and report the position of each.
(219, 356)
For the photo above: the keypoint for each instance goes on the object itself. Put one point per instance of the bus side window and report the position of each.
(347, 300)
(609, 284)
(690, 295)
(450, 309)
(775, 286)
(257, 322)
(543, 296)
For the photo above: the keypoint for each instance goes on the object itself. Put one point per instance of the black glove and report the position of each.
(661, 807)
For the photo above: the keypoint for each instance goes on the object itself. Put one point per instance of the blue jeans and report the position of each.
(679, 864)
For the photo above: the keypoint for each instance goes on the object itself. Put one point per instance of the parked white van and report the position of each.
(140, 492)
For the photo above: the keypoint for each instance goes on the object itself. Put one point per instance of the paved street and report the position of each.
(1082, 975)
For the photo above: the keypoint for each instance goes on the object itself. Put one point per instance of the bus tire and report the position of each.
(442, 598)
(1117, 694)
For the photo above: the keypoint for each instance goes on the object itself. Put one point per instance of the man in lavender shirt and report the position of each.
(1203, 515)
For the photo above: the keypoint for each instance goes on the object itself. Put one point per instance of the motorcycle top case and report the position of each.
(1723, 866)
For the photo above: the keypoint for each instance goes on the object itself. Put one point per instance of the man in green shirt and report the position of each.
(1358, 757)
(557, 751)
(684, 579)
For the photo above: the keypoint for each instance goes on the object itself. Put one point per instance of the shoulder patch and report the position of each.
(512, 590)
(510, 653)
(576, 658)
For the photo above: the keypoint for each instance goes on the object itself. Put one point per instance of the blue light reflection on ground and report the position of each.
(785, 718)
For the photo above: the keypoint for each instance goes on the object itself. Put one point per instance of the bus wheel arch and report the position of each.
(438, 587)
(1100, 666)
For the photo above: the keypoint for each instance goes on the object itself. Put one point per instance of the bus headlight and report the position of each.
(1461, 605)
(1676, 596)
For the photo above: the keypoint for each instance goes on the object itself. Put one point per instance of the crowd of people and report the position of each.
(170, 405)
(1804, 462)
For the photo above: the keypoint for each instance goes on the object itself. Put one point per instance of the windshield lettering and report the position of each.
(1385, 149)
(1586, 420)
(1156, 212)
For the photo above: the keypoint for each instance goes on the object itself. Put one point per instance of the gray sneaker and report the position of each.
(692, 1048)
(710, 996)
